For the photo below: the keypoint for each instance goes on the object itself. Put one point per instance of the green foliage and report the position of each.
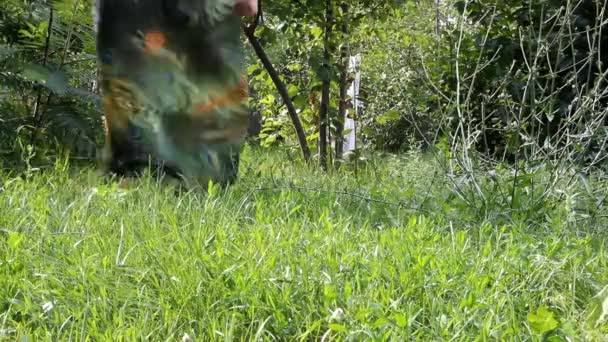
(400, 106)
(391, 253)
(293, 35)
(544, 59)
(48, 80)
(453, 245)
(512, 79)
(542, 321)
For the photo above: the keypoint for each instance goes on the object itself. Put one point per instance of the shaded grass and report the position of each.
(290, 253)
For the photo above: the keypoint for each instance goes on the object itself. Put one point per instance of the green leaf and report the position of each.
(338, 328)
(299, 101)
(292, 90)
(268, 100)
(400, 320)
(295, 67)
(330, 292)
(57, 82)
(380, 322)
(387, 117)
(542, 321)
(252, 69)
(36, 72)
(213, 189)
(316, 32)
(599, 308)
(556, 338)
(14, 240)
(25, 33)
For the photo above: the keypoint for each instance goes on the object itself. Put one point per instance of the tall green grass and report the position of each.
(394, 251)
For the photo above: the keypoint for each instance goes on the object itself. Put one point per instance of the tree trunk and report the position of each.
(62, 61)
(37, 117)
(324, 107)
(339, 148)
(259, 50)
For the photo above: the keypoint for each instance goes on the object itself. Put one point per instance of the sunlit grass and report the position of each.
(291, 253)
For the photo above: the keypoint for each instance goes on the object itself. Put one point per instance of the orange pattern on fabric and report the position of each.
(154, 40)
(114, 117)
(236, 94)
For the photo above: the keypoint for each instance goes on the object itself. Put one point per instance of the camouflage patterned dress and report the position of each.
(173, 86)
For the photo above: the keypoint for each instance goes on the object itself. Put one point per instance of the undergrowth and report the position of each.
(390, 249)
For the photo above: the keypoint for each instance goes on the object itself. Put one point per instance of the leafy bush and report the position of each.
(48, 89)
(512, 79)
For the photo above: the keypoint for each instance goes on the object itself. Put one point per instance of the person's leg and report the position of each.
(127, 144)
